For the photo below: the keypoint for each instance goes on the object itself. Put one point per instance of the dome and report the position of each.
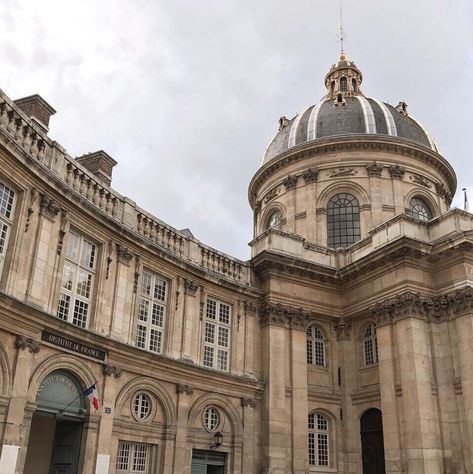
(345, 111)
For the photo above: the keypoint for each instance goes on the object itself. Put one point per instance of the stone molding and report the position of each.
(342, 172)
(34, 193)
(342, 330)
(184, 389)
(310, 175)
(249, 307)
(270, 195)
(423, 181)
(443, 192)
(428, 308)
(48, 208)
(110, 370)
(290, 181)
(248, 402)
(397, 171)
(125, 255)
(287, 316)
(23, 342)
(374, 170)
(191, 287)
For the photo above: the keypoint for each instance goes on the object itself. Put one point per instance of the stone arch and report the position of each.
(5, 372)
(344, 186)
(222, 403)
(63, 362)
(153, 387)
(425, 196)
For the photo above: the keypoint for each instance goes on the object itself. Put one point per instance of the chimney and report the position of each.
(100, 164)
(37, 109)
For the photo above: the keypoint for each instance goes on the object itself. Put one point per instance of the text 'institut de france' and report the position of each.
(343, 346)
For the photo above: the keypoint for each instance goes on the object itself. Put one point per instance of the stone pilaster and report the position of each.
(249, 437)
(184, 394)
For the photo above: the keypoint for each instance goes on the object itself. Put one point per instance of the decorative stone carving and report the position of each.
(428, 308)
(248, 402)
(398, 390)
(418, 179)
(287, 316)
(191, 287)
(110, 370)
(249, 307)
(136, 275)
(290, 181)
(49, 208)
(23, 342)
(62, 230)
(374, 170)
(109, 258)
(271, 194)
(457, 385)
(283, 121)
(187, 389)
(257, 207)
(33, 197)
(125, 255)
(342, 329)
(443, 192)
(342, 172)
(397, 171)
(310, 175)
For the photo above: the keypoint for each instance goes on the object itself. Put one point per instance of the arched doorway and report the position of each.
(56, 427)
(372, 445)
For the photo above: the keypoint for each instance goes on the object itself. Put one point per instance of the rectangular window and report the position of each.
(217, 335)
(133, 458)
(7, 200)
(78, 274)
(152, 304)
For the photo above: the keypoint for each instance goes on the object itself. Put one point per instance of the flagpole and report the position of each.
(78, 396)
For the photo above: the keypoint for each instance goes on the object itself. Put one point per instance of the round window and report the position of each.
(275, 221)
(141, 406)
(211, 419)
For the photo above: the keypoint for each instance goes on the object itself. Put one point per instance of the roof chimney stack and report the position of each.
(37, 109)
(100, 164)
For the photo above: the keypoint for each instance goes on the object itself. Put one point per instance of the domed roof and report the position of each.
(345, 111)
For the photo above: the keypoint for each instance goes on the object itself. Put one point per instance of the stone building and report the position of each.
(342, 346)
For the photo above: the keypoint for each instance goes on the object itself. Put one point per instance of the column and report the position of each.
(106, 419)
(300, 462)
(249, 438)
(184, 393)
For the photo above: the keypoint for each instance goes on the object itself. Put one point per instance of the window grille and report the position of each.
(211, 419)
(132, 458)
(343, 84)
(7, 199)
(370, 345)
(75, 297)
(419, 210)
(343, 221)
(141, 406)
(151, 313)
(217, 334)
(319, 440)
(275, 221)
(316, 347)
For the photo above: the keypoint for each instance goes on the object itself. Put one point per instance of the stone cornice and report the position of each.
(353, 143)
(285, 316)
(439, 308)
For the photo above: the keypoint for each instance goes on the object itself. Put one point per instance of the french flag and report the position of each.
(91, 394)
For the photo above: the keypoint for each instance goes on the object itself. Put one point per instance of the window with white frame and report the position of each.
(370, 345)
(7, 199)
(319, 440)
(141, 406)
(75, 297)
(152, 305)
(217, 335)
(132, 458)
(316, 347)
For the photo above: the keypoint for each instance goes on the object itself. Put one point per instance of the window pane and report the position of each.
(208, 356)
(343, 218)
(3, 237)
(6, 201)
(81, 309)
(211, 309)
(88, 254)
(146, 283)
(63, 306)
(141, 336)
(160, 290)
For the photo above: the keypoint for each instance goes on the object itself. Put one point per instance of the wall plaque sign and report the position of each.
(72, 345)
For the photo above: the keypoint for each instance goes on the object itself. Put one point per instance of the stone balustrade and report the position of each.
(17, 127)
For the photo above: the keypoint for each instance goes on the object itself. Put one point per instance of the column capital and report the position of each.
(248, 402)
(286, 316)
(110, 370)
(182, 388)
(24, 342)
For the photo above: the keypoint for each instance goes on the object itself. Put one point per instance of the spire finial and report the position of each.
(341, 31)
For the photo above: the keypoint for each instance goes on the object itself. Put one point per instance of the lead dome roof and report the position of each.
(345, 111)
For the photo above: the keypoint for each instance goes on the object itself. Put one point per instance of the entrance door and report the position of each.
(207, 462)
(66, 447)
(372, 445)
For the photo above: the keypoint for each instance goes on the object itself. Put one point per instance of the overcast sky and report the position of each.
(186, 95)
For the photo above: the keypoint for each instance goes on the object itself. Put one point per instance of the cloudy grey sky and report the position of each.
(186, 95)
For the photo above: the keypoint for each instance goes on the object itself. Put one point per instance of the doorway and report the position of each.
(54, 444)
(207, 462)
(372, 444)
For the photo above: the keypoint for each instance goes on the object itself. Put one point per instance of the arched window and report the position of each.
(370, 345)
(315, 347)
(353, 84)
(343, 84)
(275, 220)
(343, 221)
(419, 210)
(319, 440)
(332, 87)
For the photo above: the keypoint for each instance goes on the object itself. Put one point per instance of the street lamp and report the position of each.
(218, 439)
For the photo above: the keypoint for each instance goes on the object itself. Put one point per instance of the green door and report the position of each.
(66, 447)
(207, 462)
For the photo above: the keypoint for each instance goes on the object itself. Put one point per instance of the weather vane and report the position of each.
(341, 32)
